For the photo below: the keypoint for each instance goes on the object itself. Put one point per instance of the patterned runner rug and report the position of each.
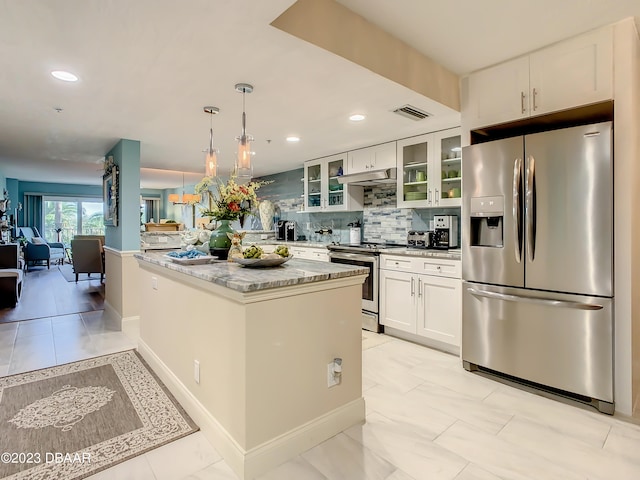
(73, 420)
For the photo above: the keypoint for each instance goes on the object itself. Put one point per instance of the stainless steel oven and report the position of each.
(367, 256)
(370, 285)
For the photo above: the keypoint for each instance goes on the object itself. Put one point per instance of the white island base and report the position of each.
(262, 396)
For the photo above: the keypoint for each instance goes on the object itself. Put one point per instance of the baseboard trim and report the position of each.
(260, 459)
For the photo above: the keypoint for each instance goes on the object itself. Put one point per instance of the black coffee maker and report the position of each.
(281, 230)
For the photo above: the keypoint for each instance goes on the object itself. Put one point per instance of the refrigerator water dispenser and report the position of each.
(486, 217)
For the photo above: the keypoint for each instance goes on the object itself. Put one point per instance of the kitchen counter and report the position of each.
(242, 279)
(246, 352)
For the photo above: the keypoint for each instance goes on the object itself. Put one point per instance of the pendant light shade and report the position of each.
(187, 198)
(243, 168)
(211, 159)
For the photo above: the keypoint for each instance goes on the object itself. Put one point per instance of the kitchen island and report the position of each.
(246, 352)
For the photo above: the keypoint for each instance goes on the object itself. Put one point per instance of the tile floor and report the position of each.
(426, 419)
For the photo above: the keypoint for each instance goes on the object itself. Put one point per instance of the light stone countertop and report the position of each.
(242, 279)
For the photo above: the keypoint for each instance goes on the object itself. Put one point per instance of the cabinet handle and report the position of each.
(419, 287)
(413, 291)
(522, 97)
(437, 197)
(535, 94)
(429, 197)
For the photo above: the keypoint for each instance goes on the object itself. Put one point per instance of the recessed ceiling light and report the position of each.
(293, 139)
(358, 117)
(65, 76)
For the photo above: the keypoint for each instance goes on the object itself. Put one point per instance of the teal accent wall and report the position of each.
(155, 193)
(126, 235)
(3, 182)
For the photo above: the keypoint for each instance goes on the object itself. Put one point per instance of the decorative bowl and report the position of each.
(261, 262)
(199, 260)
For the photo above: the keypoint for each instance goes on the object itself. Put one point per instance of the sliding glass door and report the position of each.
(65, 217)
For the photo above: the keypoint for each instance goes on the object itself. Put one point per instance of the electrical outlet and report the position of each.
(154, 283)
(196, 371)
(332, 381)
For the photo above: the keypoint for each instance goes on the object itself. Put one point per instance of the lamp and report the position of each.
(211, 160)
(243, 160)
(187, 198)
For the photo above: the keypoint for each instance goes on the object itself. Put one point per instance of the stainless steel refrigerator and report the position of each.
(537, 260)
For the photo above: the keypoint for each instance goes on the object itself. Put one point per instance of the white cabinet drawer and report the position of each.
(398, 263)
(439, 267)
(423, 265)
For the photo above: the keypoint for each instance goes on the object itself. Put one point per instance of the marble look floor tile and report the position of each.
(218, 471)
(298, 469)
(111, 342)
(623, 443)
(399, 475)
(100, 322)
(460, 406)
(474, 472)
(586, 426)
(34, 327)
(4, 370)
(591, 462)
(343, 457)
(182, 457)
(503, 458)
(70, 328)
(137, 468)
(408, 447)
(74, 317)
(407, 409)
(388, 373)
(5, 354)
(457, 379)
(8, 327)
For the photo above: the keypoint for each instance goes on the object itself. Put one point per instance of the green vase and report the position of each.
(219, 242)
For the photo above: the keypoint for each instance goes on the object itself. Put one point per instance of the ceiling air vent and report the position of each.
(409, 111)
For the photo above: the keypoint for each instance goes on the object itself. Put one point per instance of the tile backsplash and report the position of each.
(381, 220)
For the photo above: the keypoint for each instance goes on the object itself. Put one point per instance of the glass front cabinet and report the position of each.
(430, 169)
(323, 192)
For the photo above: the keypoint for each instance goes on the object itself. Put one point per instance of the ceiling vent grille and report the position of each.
(409, 111)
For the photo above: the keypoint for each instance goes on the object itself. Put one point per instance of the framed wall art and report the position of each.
(110, 194)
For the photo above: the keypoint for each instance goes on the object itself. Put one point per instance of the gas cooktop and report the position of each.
(364, 247)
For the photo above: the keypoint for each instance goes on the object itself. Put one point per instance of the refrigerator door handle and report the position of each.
(517, 209)
(529, 207)
(540, 301)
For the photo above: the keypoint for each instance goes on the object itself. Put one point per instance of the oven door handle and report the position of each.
(353, 256)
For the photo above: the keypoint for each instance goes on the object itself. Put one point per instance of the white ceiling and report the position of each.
(147, 67)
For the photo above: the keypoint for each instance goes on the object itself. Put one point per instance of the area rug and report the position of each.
(67, 272)
(73, 420)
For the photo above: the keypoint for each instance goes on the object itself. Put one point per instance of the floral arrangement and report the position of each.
(232, 201)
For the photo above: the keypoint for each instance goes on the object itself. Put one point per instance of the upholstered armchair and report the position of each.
(38, 250)
(86, 255)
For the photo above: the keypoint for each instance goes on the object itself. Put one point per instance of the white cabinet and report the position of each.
(422, 296)
(429, 170)
(377, 157)
(323, 192)
(574, 72)
(310, 253)
(306, 253)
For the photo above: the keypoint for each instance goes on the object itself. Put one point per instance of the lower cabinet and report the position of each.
(310, 253)
(426, 305)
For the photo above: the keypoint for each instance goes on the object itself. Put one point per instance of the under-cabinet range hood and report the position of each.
(373, 177)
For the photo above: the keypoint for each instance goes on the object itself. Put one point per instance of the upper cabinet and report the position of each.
(323, 193)
(575, 72)
(377, 157)
(429, 170)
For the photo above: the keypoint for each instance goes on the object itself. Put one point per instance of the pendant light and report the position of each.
(243, 168)
(187, 198)
(211, 160)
